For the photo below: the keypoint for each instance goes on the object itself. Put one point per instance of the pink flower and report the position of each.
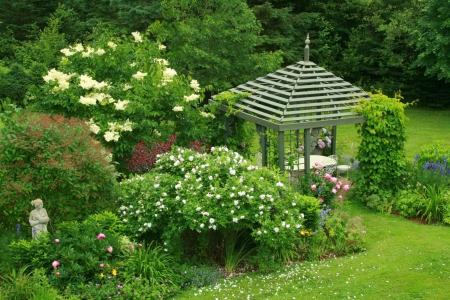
(101, 236)
(132, 246)
(339, 197)
(313, 187)
(340, 182)
(333, 179)
(55, 264)
(334, 191)
(316, 172)
(321, 199)
(57, 273)
(110, 249)
(346, 187)
(328, 176)
(56, 240)
(102, 265)
(140, 245)
(337, 186)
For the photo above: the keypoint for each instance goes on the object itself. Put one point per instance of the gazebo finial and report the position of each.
(306, 56)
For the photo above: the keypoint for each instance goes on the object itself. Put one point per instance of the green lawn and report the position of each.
(403, 260)
(424, 126)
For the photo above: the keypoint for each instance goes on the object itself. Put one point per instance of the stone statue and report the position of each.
(38, 218)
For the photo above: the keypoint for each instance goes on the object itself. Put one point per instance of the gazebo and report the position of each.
(300, 97)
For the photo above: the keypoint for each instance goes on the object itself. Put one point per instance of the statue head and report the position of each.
(37, 203)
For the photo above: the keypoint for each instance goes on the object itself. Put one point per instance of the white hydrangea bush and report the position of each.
(125, 90)
(219, 192)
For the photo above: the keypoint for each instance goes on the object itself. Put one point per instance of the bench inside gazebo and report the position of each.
(291, 106)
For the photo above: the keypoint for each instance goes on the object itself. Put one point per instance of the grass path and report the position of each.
(403, 260)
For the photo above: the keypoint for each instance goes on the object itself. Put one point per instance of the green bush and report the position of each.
(338, 234)
(14, 84)
(193, 201)
(126, 90)
(20, 285)
(436, 152)
(77, 247)
(408, 203)
(381, 154)
(55, 159)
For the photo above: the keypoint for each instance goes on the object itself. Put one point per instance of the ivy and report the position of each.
(381, 154)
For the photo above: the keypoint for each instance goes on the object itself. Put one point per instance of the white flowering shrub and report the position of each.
(125, 90)
(201, 196)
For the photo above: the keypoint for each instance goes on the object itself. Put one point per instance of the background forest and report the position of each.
(387, 44)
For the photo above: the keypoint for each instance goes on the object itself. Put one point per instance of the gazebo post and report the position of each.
(333, 139)
(281, 150)
(307, 150)
(261, 130)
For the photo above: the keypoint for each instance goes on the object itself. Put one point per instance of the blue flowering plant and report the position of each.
(191, 198)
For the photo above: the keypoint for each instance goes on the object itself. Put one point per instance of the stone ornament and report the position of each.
(38, 218)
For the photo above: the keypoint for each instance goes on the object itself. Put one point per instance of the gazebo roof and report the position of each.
(302, 95)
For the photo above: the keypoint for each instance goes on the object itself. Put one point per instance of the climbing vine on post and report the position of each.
(381, 154)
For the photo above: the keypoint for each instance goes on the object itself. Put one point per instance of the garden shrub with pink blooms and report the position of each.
(191, 202)
(321, 185)
(91, 259)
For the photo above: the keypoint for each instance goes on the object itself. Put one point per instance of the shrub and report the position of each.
(78, 248)
(381, 154)
(56, 159)
(436, 152)
(145, 154)
(126, 90)
(20, 285)
(14, 84)
(199, 199)
(321, 185)
(338, 234)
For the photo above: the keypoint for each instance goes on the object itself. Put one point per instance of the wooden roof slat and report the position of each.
(298, 96)
(326, 91)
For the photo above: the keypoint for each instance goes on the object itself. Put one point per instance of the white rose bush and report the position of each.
(193, 200)
(125, 91)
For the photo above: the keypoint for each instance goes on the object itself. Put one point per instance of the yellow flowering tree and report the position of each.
(125, 91)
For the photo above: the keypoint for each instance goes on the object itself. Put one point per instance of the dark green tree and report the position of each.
(215, 41)
(432, 38)
(23, 15)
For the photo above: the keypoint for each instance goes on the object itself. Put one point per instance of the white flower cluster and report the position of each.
(87, 83)
(61, 78)
(161, 61)
(207, 115)
(92, 126)
(139, 76)
(178, 108)
(113, 134)
(191, 97)
(121, 104)
(161, 47)
(72, 50)
(168, 75)
(195, 85)
(112, 45)
(137, 36)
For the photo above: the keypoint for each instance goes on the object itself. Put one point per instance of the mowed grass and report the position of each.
(424, 126)
(403, 259)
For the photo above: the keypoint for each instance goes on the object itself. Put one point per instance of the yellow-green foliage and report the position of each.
(381, 153)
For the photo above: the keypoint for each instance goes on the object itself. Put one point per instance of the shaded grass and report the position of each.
(404, 260)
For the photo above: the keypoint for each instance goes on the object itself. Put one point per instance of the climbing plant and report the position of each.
(381, 154)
